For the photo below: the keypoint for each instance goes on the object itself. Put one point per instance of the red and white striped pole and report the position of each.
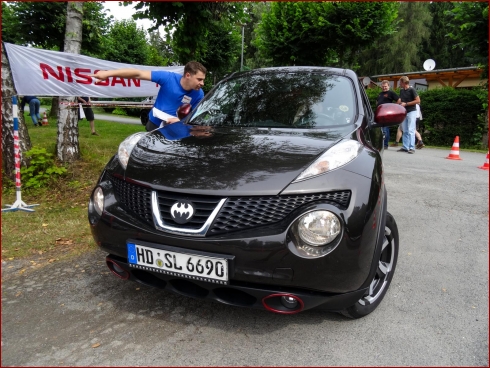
(18, 205)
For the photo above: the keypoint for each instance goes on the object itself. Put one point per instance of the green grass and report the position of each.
(59, 226)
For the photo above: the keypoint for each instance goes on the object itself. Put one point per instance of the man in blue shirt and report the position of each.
(174, 90)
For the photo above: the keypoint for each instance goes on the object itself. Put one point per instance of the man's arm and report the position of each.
(122, 73)
(412, 103)
(395, 97)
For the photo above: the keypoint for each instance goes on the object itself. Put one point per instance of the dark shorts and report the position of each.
(150, 126)
(417, 123)
(89, 114)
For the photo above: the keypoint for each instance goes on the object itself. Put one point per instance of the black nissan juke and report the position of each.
(269, 194)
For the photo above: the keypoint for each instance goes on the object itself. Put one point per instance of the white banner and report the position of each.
(38, 72)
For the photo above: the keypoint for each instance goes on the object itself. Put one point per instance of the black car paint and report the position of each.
(264, 260)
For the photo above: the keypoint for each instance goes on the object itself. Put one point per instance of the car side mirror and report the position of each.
(389, 114)
(183, 110)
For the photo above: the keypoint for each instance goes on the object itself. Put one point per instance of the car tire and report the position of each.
(144, 116)
(384, 273)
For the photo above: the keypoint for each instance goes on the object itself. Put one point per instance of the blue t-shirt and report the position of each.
(171, 95)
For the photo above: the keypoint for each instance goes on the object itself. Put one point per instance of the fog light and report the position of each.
(98, 200)
(289, 302)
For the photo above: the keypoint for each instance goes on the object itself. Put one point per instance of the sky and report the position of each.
(125, 12)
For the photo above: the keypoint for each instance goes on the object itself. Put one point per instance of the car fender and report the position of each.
(380, 238)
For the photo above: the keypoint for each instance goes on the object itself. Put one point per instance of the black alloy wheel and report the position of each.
(384, 273)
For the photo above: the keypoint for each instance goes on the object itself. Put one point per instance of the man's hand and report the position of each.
(172, 120)
(100, 75)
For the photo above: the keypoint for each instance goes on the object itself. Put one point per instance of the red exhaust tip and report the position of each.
(116, 269)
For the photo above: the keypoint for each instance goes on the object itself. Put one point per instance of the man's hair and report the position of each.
(192, 67)
(385, 82)
(404, 79)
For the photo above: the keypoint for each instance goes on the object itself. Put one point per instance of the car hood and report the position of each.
(233, 161)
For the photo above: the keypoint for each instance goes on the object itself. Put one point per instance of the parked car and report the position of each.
(269, 194)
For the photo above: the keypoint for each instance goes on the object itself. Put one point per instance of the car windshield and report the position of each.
(279, 100)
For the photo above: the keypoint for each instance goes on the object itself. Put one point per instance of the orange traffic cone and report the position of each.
(454, 154)
(485, 165)
(45, 119)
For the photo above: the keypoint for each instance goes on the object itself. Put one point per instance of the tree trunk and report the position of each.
(8, 91)
(67, 145)
(53, 113)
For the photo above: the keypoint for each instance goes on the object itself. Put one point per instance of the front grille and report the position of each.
(238, 213)
(135, 198)
(247, 212)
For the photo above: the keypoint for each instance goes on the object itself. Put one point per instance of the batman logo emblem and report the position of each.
(182, 211)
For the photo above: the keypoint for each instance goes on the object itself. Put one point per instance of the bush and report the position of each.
(449, 112)
(41, 170)
(45, 101)
(119, 111)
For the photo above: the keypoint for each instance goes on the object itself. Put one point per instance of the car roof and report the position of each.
(296, 69)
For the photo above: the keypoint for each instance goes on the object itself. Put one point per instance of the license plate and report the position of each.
(191, 266)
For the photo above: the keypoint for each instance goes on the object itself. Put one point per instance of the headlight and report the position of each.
(339, 155)
(318, 228)
(126, 146)
(99, 200)
(315, 234)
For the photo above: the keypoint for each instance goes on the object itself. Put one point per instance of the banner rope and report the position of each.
(73, 105)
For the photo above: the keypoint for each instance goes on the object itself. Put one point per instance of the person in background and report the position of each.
(175, 90)
(419, 144)
(34, 106)
(386, 96)
(409, 98)
(89, 114)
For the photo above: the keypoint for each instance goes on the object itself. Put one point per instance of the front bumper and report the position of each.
(237, 293)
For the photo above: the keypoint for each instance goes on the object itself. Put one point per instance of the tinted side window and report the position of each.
(366, 104)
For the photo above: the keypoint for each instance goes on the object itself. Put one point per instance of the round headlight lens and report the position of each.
(318, 228)
(99, 200)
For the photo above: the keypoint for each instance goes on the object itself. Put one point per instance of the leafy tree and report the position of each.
(400, 52)
(198, 30)
(46, 25)
(439, 46)
(161, 52)
(253, 58)
(321, 33)
(126, 43)
(470, 29)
